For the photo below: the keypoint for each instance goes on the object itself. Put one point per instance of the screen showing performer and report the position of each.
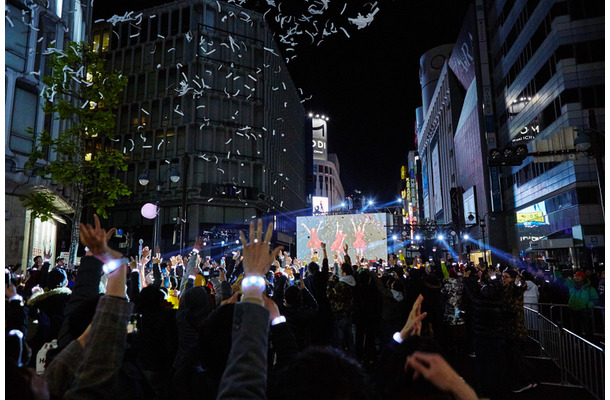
(365, 234)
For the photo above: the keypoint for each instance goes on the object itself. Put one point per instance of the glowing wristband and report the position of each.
(278, 320)
(397, 337)
(253, 281)
(114, 264)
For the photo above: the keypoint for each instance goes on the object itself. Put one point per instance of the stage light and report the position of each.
(466, 237)
(371, 202)
(394, 237)
(417, 237)
(441, 237)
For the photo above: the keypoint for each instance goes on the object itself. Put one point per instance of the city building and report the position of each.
(210, 119)
(30, 28)
(548, 77)
(520, 72)
(327, 194)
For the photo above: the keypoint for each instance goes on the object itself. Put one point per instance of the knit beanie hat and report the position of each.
(580, 273)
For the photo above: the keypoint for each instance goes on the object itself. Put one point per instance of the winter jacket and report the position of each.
(341, 297)
(46, 316)
(393, 310)
(582, 296)
(515, 317)
(86, 292)
(451, 295)
(486, 308)
(300, 318)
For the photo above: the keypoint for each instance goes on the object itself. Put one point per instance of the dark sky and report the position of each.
(368, 84)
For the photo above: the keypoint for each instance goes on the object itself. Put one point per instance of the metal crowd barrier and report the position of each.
(575, 357)
(559, 314)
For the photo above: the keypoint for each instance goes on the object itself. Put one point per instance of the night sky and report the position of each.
(368, 84)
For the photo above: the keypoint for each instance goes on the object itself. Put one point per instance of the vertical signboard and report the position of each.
(43, 239)
(436, 180)
(319, 138)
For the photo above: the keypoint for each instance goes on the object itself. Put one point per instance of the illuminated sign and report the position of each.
(403, 172)
(527, 133)
(409, 188)
(537, 216)
(319, 137)
(319, 205)
(436, 180)
(44, 238)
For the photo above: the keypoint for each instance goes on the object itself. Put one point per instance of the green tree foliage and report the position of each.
(41, 204)
(83, 96)
(82, 93)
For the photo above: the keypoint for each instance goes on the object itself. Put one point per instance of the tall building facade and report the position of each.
(31, 27)
(209, 98)
(326, 172)
(548, 76)
(520, 72)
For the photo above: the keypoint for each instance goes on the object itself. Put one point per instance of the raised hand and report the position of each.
(436, 370)
(96, 239)
(413, 325)
(146, 252)
(257, 258)
(133, 264)
(198, 243)
(157, 259)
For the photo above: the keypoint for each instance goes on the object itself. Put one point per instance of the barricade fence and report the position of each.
(575, 357)
(560, 314)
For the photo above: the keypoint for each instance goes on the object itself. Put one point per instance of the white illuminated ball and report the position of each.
(149, 211)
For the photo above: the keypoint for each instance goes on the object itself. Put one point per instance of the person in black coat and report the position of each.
(47, 310)
(300, 308)
(487, 318)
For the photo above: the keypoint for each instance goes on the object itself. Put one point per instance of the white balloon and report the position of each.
(149, 211)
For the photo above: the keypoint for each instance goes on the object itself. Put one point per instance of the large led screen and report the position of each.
(365, 235)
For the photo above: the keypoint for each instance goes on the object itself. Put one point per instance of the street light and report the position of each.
(481, 222)
(144, 179)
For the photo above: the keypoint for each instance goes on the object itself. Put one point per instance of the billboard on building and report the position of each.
(436, 180)
(463, 57)
(319, 205)
(43, 239)
(365, 235)
(319, 138)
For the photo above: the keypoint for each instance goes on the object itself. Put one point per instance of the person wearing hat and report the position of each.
(583, 297)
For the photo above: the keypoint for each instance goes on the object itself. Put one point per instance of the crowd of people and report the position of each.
(263, 325)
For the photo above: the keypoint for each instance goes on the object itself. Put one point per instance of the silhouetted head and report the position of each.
(292, 296)
(328, 374)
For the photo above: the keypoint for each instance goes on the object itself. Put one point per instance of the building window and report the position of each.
(16, 39)
(25, 109)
